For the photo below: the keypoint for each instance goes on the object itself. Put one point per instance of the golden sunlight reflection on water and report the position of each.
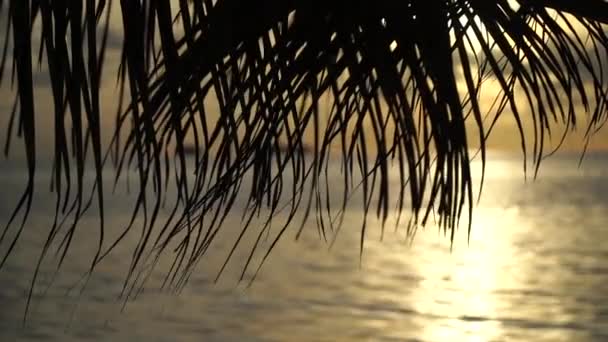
(458, 288)
(473, 291)
(456, 284)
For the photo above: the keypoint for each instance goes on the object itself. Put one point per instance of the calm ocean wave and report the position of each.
(534, 269)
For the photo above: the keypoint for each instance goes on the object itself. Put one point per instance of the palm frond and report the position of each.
(374, 84)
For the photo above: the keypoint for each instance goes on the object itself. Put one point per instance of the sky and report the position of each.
(505, 136)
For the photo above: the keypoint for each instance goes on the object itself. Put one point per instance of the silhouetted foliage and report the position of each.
(377, 82)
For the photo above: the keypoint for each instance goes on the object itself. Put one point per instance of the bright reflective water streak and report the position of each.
(534, 269)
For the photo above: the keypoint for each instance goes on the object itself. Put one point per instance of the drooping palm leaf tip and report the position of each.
(377, 83)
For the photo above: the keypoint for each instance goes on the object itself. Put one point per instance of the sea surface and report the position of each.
(534, 268)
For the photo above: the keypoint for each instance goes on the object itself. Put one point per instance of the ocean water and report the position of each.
(535, 268)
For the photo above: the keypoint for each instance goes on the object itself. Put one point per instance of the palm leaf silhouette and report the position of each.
(375, 83)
